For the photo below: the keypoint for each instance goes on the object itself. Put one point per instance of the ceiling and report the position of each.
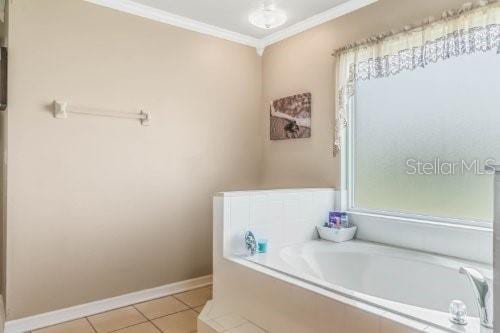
(228, 19)
(232, 15)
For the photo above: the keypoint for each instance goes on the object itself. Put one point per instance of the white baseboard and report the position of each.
(59, 316)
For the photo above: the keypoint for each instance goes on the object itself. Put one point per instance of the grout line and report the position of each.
(122, 328)
(111, 310)
(153, 299)
(64, 322)
(159, 329)
(137, 309)
(148, 320)
(172, 295)
(163, 315)
(156, 326)
(90, 323)
(189, 306)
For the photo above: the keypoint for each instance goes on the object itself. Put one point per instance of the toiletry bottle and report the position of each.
(262, 245)
(337, 222)
(345, 220)
(332, 219)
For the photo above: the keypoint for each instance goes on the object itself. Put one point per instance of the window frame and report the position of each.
(347, 202)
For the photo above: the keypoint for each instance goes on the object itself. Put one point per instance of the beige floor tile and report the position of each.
(161, 307)
(141, 328)
(196, 297)
(75, 326)
(199, 308)
(116, 319)
(182, 322)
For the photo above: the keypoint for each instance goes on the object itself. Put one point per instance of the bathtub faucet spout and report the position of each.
(483, 293)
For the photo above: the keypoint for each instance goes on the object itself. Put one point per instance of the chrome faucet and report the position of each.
(483, 293)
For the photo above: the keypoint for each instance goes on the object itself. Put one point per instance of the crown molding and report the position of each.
(313, 21)
(158, 15)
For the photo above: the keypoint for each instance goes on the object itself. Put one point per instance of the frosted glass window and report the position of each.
(445, 114)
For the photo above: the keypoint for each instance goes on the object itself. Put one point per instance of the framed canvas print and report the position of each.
(291, 117)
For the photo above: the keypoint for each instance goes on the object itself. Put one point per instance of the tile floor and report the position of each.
(171, 314)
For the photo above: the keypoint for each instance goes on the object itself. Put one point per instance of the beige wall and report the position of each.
(99, 207)
(304, 64)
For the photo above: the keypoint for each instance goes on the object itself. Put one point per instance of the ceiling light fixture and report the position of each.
(267, 17)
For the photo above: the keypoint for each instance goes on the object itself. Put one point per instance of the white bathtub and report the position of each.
(413, 284)
(308, 286)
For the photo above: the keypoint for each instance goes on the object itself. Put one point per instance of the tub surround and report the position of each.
(278, 302)
(461, 241)
(283, 217)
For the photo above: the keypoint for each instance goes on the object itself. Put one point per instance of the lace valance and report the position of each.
(475, 28)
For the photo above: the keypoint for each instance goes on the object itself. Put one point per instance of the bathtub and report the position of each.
(305, 285)
(413, 284)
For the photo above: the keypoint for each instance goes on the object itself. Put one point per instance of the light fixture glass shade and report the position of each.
(267, 18)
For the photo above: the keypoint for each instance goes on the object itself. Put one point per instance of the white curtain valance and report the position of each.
(473, 29)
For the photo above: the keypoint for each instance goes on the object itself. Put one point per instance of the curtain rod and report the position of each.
(447, 15)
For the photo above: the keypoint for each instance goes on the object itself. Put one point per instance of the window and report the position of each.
(419, 141)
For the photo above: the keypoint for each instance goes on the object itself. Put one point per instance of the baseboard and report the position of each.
(59, 316)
